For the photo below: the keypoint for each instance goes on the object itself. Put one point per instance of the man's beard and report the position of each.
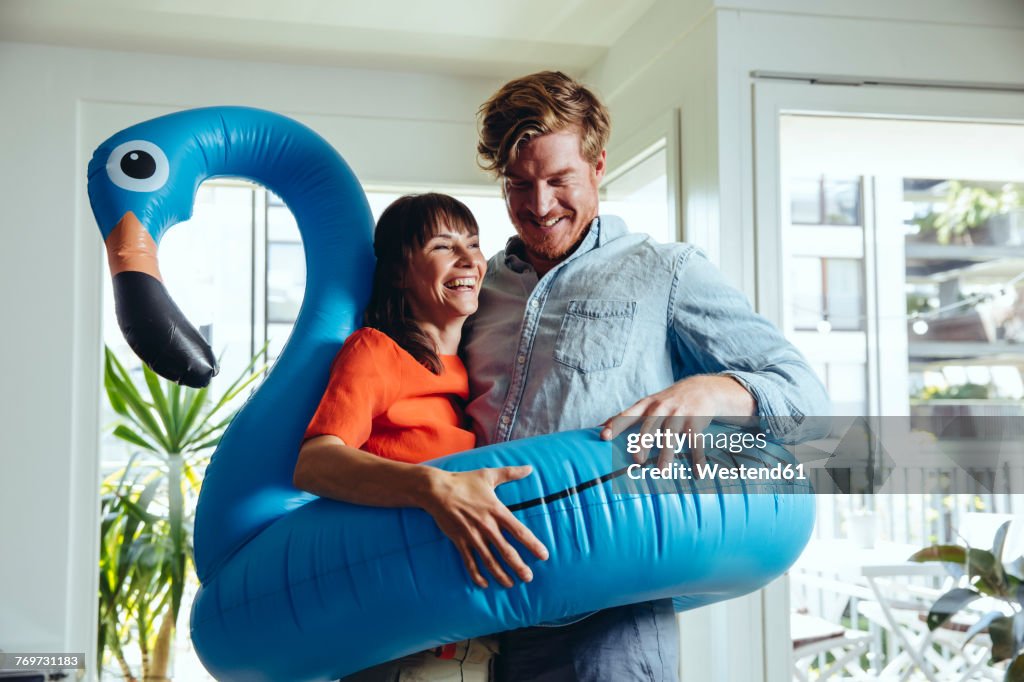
(553, 246)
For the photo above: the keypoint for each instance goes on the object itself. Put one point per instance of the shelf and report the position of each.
(935, 191)
(958, 252)
(924, 365)
(958, 350)
(976, 402)
(929, 263)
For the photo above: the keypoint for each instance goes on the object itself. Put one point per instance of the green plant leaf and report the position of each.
(247, 375)
(176, 515)
(211, 430)
(983, 565)
(948, 604)
(231, 394)
(261, 352)
(174, 398)
(113, 396)
(943, 553)
(138, 509)
(245, 384)
(1015, 672)
(980, 564)
(194, 403)
(126, 434)
(138, 409)
(212, 443)
(156, 391)
(952, 557)
(982, 624)
(1001, 633)
(118, 479)
(1018, 631)
(966, 207)
(1000, 540)
(201, 430)
(189, 472)
(135, 511)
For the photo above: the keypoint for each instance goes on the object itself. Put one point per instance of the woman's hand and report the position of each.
(462, 503)
(466, 510)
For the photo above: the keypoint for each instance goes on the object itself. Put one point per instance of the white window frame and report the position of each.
(663, 132)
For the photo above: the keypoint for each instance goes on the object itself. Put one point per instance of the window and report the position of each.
(828, 293)
(207, 267)
(639, 194)
(825, 200)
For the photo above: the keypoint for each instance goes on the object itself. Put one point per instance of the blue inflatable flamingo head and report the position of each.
(131, 173)
(144, 179)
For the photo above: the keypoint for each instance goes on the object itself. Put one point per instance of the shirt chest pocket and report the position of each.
(594, 334)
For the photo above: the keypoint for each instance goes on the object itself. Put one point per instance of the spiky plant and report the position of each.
(148, 506)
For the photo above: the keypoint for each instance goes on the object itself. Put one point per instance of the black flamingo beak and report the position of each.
(151, 322)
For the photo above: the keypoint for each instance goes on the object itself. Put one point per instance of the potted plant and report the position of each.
(968, 391)
(147, 509)
(986, 575)
(974, 215)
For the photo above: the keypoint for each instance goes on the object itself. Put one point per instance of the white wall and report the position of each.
(664, 63)
(58, 104)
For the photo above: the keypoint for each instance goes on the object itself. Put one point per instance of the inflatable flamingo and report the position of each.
(300, 588)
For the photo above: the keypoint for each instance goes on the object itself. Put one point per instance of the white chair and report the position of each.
(943, 655)
(814, 637)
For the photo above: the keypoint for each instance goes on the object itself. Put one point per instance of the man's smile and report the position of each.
(551, 222)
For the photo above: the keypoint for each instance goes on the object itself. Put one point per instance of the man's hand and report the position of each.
(686, 406)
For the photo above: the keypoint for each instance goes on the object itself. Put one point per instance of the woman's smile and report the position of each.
(462, 284)
(442, 283)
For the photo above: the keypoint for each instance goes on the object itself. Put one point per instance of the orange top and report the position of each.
(380, 399)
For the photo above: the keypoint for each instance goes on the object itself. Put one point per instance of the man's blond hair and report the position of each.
(541, 103)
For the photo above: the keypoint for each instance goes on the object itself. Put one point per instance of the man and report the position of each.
(581, 322)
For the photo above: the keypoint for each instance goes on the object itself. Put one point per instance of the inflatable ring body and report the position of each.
(299, 588)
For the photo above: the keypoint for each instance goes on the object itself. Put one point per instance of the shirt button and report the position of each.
(505, 420)
(534, 303)
(521, 359)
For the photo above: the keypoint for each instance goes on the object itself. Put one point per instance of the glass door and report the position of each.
(890, 250)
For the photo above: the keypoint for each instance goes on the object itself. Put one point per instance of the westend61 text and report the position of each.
(668, 439)
(704, 471)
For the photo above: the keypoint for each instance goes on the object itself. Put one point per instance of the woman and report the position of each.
(395, 393)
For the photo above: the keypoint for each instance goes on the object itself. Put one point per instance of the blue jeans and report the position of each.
(636, 642)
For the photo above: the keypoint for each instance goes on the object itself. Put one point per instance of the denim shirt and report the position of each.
(621, 318)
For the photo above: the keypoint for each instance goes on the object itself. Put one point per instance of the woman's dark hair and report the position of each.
(407, 225)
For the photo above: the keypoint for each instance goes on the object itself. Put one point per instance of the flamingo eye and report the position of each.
(138, 166)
